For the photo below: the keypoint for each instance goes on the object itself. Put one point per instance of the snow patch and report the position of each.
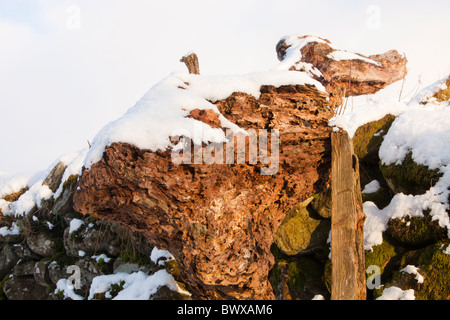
(340, 55)
(371, 187)
(31, 198)
(10, 231)
(293, 55)
(67, 289)
(426, 94)
(447, 250)
(413, 270)
(75, 224)
(99, 257)
(395, 293)
(13, 183)
(158, 254)
(136, 286)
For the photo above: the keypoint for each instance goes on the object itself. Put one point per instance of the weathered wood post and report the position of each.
(191, 62)
(347, 222)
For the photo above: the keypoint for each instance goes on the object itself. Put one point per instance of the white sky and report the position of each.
(69, 67)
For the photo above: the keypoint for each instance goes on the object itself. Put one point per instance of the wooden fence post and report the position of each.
(347, 222)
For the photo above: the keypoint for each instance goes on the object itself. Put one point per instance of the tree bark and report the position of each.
(191, 62)
(347, 222)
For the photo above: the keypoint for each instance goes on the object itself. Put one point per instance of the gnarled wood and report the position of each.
(191, 62)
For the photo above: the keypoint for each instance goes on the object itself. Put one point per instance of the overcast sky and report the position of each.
(69, 67)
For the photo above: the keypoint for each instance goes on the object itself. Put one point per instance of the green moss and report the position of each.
(302, 230)
(434, 266)
(116, 288)
(299, 277)
(105, 267)
(415, 232)
(274, 278)
(380, 255)
(50, 289)
(69, 184)
(173, 268)
(327, 275)
(61, 259)
(302, 273)
(381, 198)
(2, 283)
(321, 203)
(133, 256)
(410, 177)
(365, 144)
(113, 291)
(70, 181)
(60, 294)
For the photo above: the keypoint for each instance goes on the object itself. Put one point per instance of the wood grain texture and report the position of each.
(347, 222)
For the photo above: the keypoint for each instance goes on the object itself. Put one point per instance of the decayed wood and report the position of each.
(191, 62)
(347, 222)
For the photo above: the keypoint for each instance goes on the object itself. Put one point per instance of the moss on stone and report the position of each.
(382, 197)
(134, 256)
(321, 203)
(304, 274)
(116, 288)
(2, 283)
(59, 294)
(113, 291)
(173, 268)
(60, 258)
(302, 231)
(365, 144)
(415, 232)
(380, 255)
(299, 277)
(409, 177)
(50, 289)
(70, 181)
(435, 266)
(327, 275)
(105, 267)
(69, 184)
